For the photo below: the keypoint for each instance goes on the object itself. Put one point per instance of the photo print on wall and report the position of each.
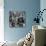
(17, 18)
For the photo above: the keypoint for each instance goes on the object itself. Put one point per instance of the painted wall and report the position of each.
(43, 6)
(1, 21)
(30, 6)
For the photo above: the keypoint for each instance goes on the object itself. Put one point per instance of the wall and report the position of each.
(43, 6)
(30, 6)
(1, 21)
